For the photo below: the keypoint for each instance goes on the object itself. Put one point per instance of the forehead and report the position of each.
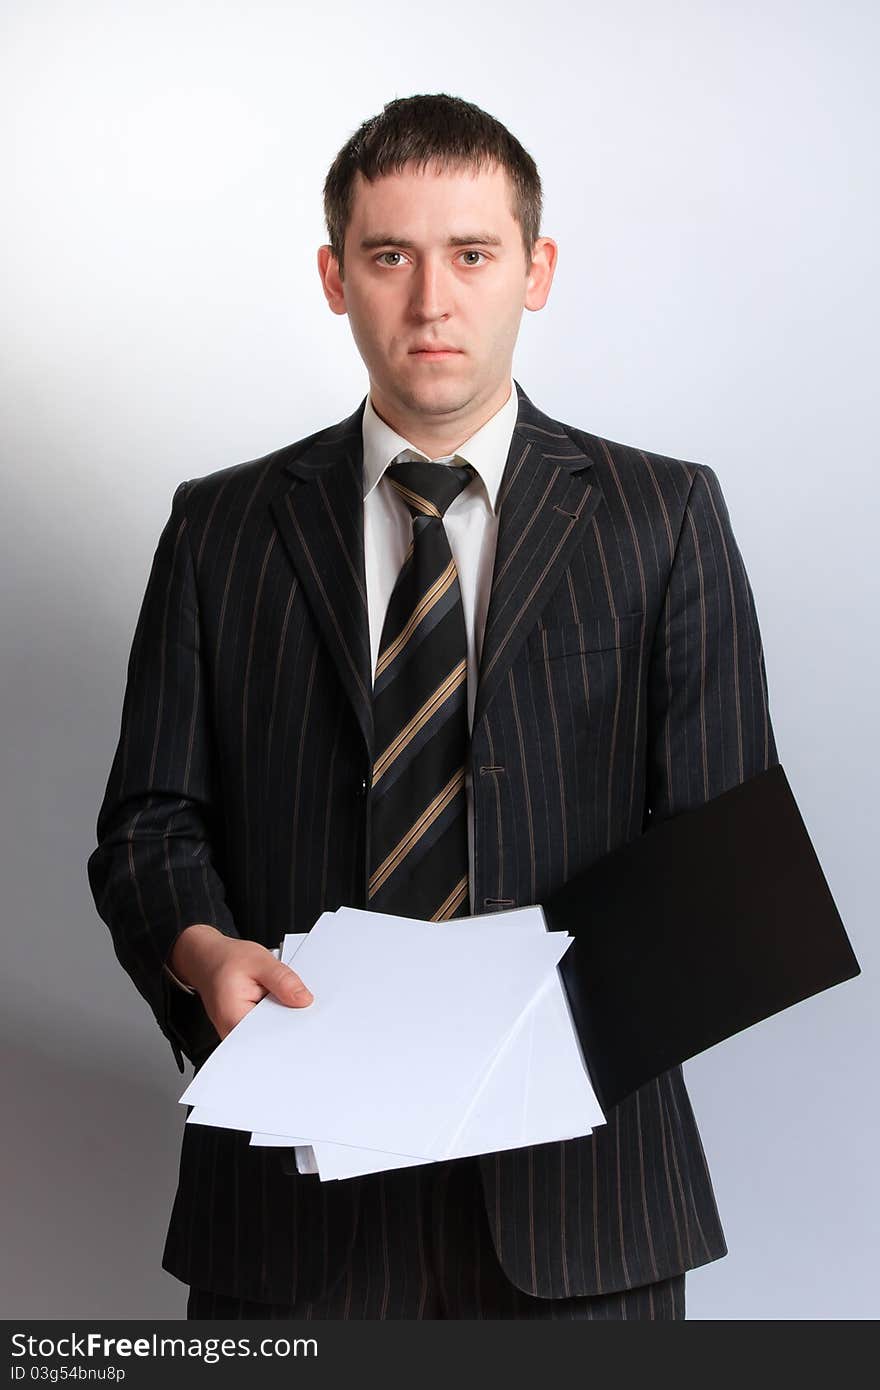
(430, 204)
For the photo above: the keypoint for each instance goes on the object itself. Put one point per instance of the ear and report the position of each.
(331, 281)
(540, 276)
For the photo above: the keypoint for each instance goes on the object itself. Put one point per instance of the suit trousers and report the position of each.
(422, 1249)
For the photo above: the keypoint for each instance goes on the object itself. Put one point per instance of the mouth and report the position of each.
(435, 355)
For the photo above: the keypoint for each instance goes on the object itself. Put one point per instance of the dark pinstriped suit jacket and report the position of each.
(622, 681)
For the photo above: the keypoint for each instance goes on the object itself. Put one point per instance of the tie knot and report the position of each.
(428, 488)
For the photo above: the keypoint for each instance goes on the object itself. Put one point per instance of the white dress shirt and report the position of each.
(471, 524)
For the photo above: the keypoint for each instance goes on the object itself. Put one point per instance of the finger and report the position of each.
(285, 984)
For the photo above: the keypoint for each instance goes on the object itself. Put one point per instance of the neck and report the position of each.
(444, 436)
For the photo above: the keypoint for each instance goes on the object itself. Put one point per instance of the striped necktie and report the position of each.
(418, 817)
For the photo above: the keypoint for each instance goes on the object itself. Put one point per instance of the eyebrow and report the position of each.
(372, 243)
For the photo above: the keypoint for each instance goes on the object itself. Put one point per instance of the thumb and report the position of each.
(285, 984)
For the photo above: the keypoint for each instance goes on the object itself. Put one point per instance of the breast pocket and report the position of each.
(606, 632)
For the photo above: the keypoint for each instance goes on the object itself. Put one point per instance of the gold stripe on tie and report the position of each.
(453, 902)
(434, 594)
(426, 507)
(434, 702)
(415, 832)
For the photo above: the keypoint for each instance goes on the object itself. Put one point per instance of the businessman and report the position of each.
(435, 659)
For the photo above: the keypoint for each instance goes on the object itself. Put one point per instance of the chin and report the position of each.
(445, 396)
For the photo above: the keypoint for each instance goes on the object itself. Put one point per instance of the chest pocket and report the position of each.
(593, 634)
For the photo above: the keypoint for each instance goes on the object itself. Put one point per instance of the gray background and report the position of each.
(707, 176)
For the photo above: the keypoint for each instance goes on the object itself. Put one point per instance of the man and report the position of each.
(443, 654)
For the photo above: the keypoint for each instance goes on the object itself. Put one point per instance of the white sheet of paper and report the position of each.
(372, 1160)
(536, 1090)
(405, 1021)
(506, 1078)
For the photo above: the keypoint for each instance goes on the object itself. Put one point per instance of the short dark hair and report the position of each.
(432, 129)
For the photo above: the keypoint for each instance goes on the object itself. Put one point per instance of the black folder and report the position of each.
(702, 926)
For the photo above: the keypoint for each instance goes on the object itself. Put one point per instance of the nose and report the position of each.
(429, 295)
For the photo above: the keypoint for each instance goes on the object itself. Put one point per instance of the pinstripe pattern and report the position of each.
(443, 1266)
(622, 681)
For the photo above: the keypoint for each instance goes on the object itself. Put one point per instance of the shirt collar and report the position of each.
(486, 449)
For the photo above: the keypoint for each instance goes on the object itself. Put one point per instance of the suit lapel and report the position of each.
(547, 496)
(320, 514)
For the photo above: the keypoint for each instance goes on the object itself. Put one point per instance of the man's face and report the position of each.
(467, 296)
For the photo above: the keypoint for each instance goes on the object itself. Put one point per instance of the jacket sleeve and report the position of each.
(708, 718)
(153, 872)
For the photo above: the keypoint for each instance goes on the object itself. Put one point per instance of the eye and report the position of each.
(382, 254)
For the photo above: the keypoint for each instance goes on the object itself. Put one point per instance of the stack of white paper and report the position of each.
(424, 1041)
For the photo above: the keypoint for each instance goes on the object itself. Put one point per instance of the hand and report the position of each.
(231, 976)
